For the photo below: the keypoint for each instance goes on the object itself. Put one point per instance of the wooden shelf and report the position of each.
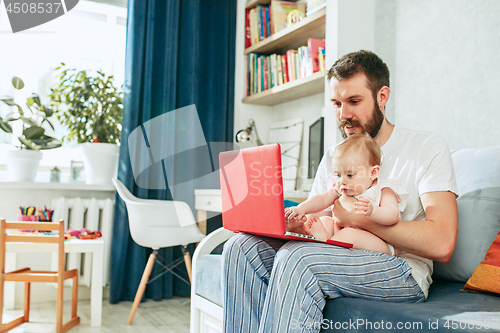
(292, 37)
(289, 91)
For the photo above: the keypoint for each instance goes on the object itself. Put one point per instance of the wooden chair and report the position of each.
(27, 275)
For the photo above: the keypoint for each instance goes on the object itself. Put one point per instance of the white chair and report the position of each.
(157, 224)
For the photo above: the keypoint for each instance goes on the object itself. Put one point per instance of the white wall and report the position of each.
(443, 57)
(308, 108)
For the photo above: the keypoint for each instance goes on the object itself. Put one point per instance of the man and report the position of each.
(274, 286)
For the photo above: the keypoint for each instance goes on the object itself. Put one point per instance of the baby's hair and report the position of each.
(360, 142)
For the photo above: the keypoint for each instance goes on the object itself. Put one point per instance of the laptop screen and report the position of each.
(252, 190)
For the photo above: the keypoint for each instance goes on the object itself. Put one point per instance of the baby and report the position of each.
(356, 164)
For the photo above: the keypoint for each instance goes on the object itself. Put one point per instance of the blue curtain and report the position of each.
(178, 53)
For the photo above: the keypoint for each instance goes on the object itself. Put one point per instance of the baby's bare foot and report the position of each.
(317, 229)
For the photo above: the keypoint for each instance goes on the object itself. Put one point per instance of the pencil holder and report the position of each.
(30, 218)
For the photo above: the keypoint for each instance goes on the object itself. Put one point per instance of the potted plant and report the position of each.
(23, 163)
(91, 108)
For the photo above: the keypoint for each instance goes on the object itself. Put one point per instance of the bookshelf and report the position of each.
(289, 38)
(294, 36)
(289, 91)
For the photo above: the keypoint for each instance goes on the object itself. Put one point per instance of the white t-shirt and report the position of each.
(420, 162)
(374, 193)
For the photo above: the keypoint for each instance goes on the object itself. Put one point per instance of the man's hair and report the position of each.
(365, 62)
(360, 143)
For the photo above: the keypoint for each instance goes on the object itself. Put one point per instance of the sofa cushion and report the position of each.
(446, 307)
(208, 278)
(478, 224)
(476, 168)
(486, 277)
(478, 182)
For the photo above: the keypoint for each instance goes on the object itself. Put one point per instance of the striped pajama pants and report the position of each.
(273, 286)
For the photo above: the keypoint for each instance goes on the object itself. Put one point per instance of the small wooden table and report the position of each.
(206, 200)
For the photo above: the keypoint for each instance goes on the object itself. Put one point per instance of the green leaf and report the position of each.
(5, 126)
(28, 121)
(48, 112)
(50, 145)
(33, 132)
(36, 98)
(18, 83)
(8, 101)
(50, 124)
(28, 144)
(20, 109)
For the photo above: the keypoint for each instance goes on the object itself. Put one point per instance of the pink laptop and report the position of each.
(252, 194)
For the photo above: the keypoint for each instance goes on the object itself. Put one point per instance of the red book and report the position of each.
(285, 69)
(248, 41)
(264, 24)
(313, 44)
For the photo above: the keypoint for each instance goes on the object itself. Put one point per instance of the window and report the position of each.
(91, 36)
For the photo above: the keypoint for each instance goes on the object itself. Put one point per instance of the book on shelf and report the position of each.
(264, 74)
(248, 41)
(290, 58)
(266, 71)
(279, 70)
(279, 13)
(313, 45)
(258, 24)
(321, 58)
(286, 77)
(314, 6)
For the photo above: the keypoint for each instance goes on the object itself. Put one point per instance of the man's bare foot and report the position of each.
(315, 227)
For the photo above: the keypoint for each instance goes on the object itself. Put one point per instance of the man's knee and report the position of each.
(293, 256)
(234, 244)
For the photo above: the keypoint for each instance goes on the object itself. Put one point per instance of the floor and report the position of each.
(166, 316)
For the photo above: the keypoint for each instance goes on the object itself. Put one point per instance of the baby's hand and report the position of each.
(363, 206)
(295, 214)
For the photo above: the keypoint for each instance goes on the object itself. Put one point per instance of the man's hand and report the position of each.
(433, 238)
(342, 217)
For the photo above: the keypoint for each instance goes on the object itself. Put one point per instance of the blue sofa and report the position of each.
(447, 309)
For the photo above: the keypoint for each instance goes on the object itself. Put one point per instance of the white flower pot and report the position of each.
(100, 162)
(23, 164)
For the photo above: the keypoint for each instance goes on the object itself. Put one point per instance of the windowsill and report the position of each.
(42, 183)
(80, 186)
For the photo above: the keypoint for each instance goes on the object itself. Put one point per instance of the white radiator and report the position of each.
(94, 215)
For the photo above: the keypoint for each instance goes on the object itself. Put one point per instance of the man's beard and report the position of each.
(372, 127)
